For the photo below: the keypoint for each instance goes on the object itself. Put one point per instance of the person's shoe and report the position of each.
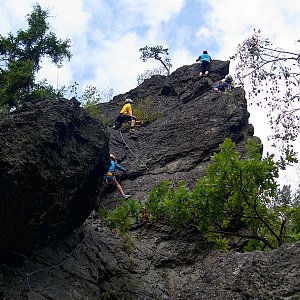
(126, 196)
(131, 130)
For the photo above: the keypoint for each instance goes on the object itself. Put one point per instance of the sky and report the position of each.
(106, 36)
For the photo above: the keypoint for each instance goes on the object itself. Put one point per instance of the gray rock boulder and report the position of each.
(51, 156)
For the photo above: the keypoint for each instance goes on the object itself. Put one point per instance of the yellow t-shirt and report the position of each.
(126, 109)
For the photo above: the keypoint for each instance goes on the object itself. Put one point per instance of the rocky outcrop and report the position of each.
(154, 262)
(51, 156)
(190, 126)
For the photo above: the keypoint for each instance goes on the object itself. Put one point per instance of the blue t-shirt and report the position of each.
(204, 57)
(114, 166)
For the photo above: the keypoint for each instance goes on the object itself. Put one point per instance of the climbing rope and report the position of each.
(90, 230)
(133, 152)
(61, 263)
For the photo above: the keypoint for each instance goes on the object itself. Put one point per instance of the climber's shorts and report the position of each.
(123, 118)
(205, 66)
(109, 178)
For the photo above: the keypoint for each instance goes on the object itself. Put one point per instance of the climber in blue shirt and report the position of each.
(110, 177)
(205, 63)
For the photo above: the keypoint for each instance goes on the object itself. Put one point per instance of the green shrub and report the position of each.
(171, 203)
(94, 109)
(124, 215)
(237, 197)
(144, 111)
(92, 100)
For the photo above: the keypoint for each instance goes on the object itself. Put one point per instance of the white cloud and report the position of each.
(233, 20)
(13, 15)
(182, 57)
(115, 64)
(68, 19)
(97, 30)
(153, 12)
(106, 35)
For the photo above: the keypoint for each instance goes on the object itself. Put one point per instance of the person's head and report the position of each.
(228, 78)
(205, 52)
(112, 157)
(127, 100)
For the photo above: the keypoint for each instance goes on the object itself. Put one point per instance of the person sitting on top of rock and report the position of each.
(125, 115)
(205, 63)
(223, 84)
(110, 177)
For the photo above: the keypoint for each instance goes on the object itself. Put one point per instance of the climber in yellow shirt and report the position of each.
(125, 115)
(127, 108)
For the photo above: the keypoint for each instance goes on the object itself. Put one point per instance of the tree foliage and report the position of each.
(21, 57)
(158, 53)
(122, 216)
(272, 76)
(239, 193)
(237, 197)
(91, 100)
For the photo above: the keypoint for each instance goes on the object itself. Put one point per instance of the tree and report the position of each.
(22, 56)
(156, 52)
(239, 196)
(91, 100)
(273, 76)
(241, 193)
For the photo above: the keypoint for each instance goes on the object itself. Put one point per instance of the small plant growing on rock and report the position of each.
(123, 216)
(149, 73)
(144, 111)
(92, 100)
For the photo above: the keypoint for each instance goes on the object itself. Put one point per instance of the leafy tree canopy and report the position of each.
(21, 57)
(272, 76)
(159, 53)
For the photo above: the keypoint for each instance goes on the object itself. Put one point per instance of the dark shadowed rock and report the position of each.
(51, 156)
(155, 262)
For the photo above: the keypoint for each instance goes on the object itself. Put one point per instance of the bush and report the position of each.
(144, 111)
(123, 216)
(92, 100)
(237, 197)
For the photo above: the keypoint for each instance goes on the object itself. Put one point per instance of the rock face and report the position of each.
(191, 124)
(51, 156)
(154, 261)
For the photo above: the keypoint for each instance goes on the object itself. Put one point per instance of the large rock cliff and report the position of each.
(155, 261)
(191, 123)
